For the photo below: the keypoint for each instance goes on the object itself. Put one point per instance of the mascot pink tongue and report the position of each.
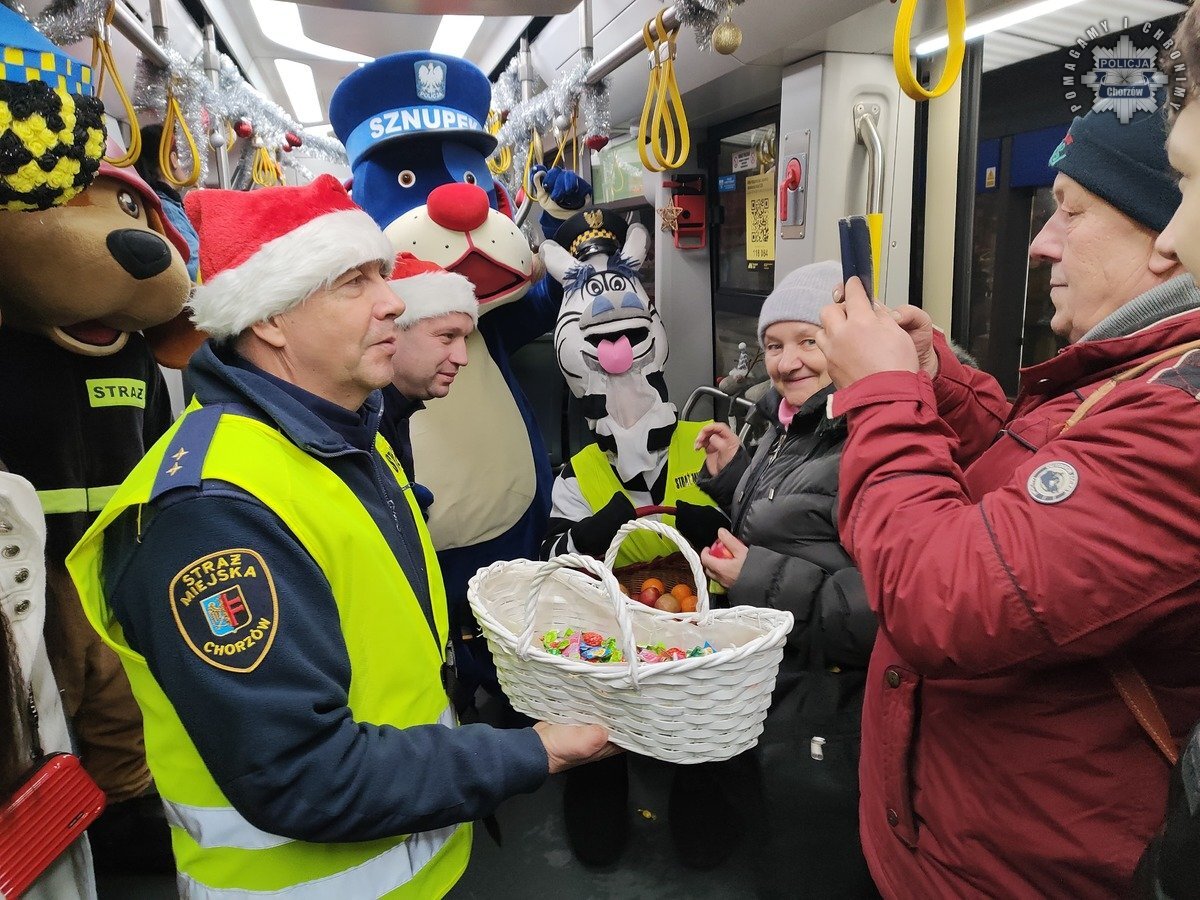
(616, 357)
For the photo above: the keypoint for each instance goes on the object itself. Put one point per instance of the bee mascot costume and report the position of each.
(83, 270)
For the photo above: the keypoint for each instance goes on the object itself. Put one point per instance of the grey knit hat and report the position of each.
(800, 296)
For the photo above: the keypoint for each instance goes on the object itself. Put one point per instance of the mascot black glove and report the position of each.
(699, 524)
(593, 534)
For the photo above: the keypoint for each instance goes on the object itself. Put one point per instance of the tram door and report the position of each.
(742, 179)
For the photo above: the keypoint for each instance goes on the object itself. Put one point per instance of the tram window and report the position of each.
(1038, 342)
(742, 182)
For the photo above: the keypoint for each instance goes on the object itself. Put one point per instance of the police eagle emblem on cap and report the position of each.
(431, 80)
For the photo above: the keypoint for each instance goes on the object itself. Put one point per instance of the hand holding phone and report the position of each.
(855, 238)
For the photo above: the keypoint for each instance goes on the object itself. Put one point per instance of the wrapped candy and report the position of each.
(592, 646)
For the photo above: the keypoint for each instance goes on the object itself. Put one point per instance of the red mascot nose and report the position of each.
(459, 207)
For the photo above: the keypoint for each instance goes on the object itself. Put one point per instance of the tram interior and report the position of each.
(963, 186)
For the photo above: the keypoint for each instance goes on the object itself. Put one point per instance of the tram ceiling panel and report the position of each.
(769, 42)
(452, 7)
(333, 38)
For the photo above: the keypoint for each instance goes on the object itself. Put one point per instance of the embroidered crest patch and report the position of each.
(1052, 482)
(226, 608)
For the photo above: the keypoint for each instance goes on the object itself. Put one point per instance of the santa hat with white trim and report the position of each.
(428, 290)
(263, 252)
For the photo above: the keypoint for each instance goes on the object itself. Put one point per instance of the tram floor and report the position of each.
(535, 861)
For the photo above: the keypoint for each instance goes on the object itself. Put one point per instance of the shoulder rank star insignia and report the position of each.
(175, 468)
(178, 455)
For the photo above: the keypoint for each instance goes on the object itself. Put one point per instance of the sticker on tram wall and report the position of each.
(1121, 75)
(1052, 482)
(226, 608)
(745, 160)
(726, 183)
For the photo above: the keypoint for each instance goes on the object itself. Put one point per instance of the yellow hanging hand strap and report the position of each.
(501, 161)
(956, 22)
(664, 139)
(102, 62)
(535, 149)
(174, 118)
(265, 172)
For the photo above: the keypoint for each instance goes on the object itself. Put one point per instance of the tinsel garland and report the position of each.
(703, 17)
(233, 98)
(69, 21)
(594, 125)
(548, 112)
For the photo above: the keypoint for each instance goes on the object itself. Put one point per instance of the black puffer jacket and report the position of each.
(783, 504)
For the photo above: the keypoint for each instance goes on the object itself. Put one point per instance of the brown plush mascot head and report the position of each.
(105, 264)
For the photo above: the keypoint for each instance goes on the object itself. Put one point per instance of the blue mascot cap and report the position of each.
(27, 55)
(408, 95)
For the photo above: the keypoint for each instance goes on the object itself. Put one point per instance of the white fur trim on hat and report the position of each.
(430, 294)
(287, 270)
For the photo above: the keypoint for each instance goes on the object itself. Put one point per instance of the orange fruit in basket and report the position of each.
(655, 583)
(681, 590)
(688, 603)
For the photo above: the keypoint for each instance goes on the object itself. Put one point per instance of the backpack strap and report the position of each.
(1140, 699)
(1125, 678)
(1105, 389)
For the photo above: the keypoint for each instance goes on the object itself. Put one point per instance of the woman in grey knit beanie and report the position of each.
(783, 552)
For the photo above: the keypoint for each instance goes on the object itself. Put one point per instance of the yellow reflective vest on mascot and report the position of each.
(599, 484)
(219, 853)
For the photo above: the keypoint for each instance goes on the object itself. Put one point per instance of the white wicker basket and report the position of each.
(689, 554)
(701, 709)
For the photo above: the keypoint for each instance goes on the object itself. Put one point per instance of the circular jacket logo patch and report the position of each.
(1052, 482)
(226, 608)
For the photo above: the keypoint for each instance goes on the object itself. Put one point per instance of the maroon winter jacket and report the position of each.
(997, 757)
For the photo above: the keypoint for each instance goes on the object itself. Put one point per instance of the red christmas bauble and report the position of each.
(242, 128)
(293, 139)
(596, 141)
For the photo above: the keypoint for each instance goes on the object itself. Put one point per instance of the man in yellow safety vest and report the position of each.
(267, 579)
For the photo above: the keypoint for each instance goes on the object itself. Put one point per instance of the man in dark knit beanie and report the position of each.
(1033, 565)
(1115, 192)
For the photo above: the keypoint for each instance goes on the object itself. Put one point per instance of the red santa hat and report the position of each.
(263, 252)
(428, 290)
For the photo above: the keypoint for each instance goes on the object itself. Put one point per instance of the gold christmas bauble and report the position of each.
(726, 38)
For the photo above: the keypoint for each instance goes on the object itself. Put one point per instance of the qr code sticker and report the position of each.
(760, 215)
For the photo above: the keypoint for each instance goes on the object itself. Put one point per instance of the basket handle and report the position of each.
(692, 559)
(609, 583)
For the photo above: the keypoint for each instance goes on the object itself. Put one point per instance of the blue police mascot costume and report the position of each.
(413, 128)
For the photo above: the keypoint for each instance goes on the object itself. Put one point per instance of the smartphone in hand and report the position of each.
(855, 239)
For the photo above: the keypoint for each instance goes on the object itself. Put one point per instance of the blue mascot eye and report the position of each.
(468, 165)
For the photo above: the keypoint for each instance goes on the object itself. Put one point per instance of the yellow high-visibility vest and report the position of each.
(217, 851)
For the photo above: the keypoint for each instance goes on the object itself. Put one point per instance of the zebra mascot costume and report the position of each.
(612, 349)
